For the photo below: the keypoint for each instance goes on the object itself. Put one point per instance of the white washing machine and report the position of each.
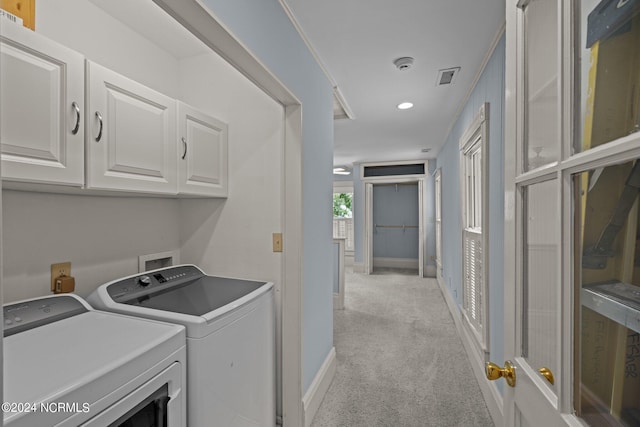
(66, 364)
(230, 338)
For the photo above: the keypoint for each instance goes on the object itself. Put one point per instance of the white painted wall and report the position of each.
(263, 26)
(103, 236)
(233, 237)
(84, 27)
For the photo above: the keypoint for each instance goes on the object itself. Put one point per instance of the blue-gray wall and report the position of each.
(395, 205)
(490, 88)
(263, 26)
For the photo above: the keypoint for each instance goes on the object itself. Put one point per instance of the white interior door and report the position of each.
(533, 227)
(572, 182)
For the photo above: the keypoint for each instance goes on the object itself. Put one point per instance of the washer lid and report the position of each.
(198, 297)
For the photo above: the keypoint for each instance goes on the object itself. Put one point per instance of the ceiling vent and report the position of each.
(447, 76)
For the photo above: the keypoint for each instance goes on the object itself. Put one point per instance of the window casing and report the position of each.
(475, 248)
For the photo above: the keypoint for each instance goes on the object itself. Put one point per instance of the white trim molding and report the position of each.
(474, 239)
(395, 262)
(338, 97)
(202, 23)
(358, 267)
(430, 271)
(319, 387)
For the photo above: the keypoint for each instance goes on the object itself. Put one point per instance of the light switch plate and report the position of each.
(277, 242)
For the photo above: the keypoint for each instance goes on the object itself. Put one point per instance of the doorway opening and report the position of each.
(394, 226)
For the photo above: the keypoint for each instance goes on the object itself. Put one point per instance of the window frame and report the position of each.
(474, 167)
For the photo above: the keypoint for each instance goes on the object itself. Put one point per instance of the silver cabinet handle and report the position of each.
(99, 117)
(77, 126)
(184, 144)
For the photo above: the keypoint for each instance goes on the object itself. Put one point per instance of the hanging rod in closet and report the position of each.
(395, 226)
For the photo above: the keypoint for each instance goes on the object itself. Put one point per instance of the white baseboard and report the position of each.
(396, 262)
(318, 388)
(348, 259)
(430, 271)
(490, 392)
(358, 267)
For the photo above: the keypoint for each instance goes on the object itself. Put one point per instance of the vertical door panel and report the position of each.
(131, 137)
(540, 296)
(42, 85)
(203, 145)
(541, 83)
(533, 268)
(608, 295)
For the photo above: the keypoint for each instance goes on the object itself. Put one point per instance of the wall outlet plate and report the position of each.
(277, 242)
(57, 270)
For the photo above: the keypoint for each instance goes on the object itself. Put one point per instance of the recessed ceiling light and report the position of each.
(405, 105)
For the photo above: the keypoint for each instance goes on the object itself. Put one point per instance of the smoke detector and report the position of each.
(403, 63)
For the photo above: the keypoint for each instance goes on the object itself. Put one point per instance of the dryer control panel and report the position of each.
(154, 281)
(25, 315)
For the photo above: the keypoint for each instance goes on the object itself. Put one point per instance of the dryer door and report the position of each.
(157, 403)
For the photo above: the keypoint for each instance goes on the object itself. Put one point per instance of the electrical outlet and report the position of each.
(57, 270)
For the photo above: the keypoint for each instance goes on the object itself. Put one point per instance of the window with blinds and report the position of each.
(473, 280)
(473, 179)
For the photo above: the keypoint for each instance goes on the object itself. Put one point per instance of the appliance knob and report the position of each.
(144, 281)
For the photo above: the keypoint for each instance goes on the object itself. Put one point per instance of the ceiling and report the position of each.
(356, 41)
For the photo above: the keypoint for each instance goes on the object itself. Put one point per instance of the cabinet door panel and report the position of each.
(136, 129)
(41, 132)
(203, 157)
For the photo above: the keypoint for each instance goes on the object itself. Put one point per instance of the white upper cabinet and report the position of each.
(41, 120)
(131, 135)
(68, 121)
(202, 153)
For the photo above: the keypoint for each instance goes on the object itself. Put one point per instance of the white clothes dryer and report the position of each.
(230, 338)
(66, 364)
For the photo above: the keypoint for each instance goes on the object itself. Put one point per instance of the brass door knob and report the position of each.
(546, 372)
(494, 372)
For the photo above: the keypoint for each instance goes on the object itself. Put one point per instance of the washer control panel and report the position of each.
(25, 315)
(152, 281)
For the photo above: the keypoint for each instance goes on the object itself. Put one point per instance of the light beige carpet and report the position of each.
(400, 361)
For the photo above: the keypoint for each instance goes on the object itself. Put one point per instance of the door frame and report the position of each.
(438, 220)
(201, 22)
(368, 217)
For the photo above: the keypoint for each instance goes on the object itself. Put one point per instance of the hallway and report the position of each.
(400, 361)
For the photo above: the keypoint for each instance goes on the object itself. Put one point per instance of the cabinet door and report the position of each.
(202, 162)
(130, 135)
(41, 127)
